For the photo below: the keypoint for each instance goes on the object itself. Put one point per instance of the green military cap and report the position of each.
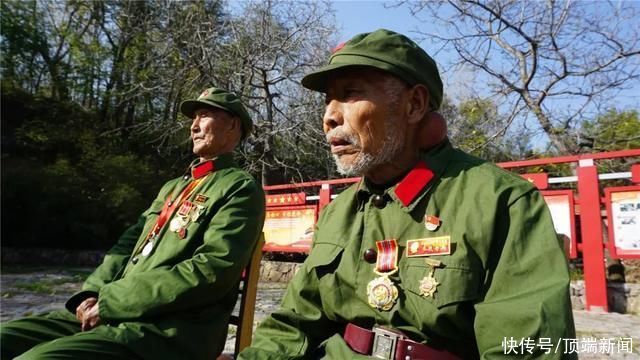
(221, 99)
(385, 50)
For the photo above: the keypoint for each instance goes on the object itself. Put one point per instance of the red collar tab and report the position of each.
(413, 183)
(202, 169)
(338, 47)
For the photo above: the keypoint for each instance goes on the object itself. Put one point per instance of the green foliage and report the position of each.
(64, 183)
(476, 127)
(613, 130)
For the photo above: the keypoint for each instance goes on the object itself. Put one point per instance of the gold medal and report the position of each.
(382, 294)
(147, 248)
(429, 284)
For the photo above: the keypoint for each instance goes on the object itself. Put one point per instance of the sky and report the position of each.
(460, 84)
(363, 16)
(357, 16)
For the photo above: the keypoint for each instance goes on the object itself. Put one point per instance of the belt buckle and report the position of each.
(384, 342)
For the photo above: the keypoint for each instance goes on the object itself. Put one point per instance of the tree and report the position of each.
(475, 125)
(613, 130)
(553, 61)
(90, 104)
(270, 46)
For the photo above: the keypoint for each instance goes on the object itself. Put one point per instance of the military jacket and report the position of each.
(175, 302)
(505, 278)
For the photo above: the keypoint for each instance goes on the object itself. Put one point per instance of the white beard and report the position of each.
(364, 162)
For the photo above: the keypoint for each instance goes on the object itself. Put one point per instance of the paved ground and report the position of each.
(32, 291)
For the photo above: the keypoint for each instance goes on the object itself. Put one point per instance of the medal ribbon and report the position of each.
(387, 261)
(170, 206)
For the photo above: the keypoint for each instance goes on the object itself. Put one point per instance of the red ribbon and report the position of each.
(387, 260)
(170, 206)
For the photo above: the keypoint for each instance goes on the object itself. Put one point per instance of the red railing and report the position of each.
(588, 198)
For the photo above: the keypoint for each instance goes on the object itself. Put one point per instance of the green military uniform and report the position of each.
(172, 300)
(505, 276)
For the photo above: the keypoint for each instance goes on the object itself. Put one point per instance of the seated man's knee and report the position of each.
(87, 345)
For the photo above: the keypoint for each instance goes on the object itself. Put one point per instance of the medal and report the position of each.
(429, 284)
(201, 199)
(432, 223)
(177, 223)
(197, 211)
(185, 208)
(147, 248)
(381, 292)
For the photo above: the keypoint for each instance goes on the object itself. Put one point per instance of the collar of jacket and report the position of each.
(199, 168)
(416, 183)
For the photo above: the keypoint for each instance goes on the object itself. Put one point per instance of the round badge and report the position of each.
(431, 222)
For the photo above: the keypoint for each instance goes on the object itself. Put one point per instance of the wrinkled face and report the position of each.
(363, 121)
(211, 132)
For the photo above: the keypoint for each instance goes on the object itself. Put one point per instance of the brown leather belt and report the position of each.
(390, 344)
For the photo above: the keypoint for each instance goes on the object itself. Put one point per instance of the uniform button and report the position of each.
(378, 201)
(409, 348)
(370, 256)
(134, 260)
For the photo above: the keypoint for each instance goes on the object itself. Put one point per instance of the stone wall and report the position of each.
(623, 298)
(51, 257)
(276, 271)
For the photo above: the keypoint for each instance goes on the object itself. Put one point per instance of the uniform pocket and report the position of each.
(457, 282)
(324, 258)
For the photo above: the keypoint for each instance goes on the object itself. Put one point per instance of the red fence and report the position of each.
(291, 215)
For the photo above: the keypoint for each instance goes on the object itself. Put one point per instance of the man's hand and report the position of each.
(84, 306)
(87, 313)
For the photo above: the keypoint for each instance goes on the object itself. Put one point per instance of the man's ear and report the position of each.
(417, 103)
(432, 130)
(235, 124)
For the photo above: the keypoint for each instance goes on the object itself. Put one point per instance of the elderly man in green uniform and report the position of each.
(167, 288)
(434, 254)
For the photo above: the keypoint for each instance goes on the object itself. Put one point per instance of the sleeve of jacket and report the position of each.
(114, 260)
(296, 329)
(208, 275)
(527, 285)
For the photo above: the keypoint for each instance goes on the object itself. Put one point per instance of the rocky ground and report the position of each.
(35, 290)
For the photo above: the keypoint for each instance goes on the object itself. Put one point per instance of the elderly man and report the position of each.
(434, 254)
(167, 288)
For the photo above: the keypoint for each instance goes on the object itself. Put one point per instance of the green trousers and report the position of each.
(56, 335)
